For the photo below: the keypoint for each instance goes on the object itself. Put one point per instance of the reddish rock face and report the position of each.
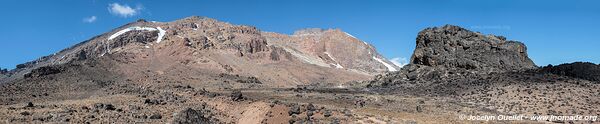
(333, 48)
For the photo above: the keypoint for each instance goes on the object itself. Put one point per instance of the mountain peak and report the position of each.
(333, 48)
(221, 47)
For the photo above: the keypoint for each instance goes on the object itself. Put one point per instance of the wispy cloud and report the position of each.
(90, 19)
(123, 10)
(399, 61)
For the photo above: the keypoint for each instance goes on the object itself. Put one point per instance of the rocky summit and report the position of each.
(201, 70)
(455, 47)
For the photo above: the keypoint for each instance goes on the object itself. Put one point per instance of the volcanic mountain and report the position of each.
(197, 46)
(181, 71)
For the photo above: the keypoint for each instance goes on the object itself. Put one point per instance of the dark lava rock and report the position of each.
(190, 116)
(309, 113)
(134, 37)
(311, 107)
(109, 107)
(156, 116)
(250, 80)
(455, 47)
(42, 71)
(152, 102)
(29, 104)
(104, 106)
(237, 95)
(327, 113)
(447, 52)
(360, 103)
(25, 113)
(294, 109)
(584, 70)
(3, 71)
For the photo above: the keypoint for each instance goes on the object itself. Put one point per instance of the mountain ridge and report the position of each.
(203, 33)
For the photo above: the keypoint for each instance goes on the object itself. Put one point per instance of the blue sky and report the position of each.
(554, 31)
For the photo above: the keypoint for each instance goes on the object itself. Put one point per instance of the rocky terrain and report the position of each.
(493, 74)
(582, 70)
(200, 70)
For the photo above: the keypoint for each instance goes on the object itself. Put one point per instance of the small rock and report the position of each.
(294, 109)
(25, 113)
(156, 116)
(109, 107)
(311, 107)
(419, 108)
(327, 113)
(237, 95)
(29, 104)
(190, 116)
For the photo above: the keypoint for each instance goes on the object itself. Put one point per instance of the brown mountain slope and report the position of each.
(199, 43)
(187, 70)
(332, 48)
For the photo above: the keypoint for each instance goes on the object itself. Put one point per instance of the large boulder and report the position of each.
(447, 52)
(583, 70)
(455, 47)
(191, 116)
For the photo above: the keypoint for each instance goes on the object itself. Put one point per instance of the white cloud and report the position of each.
(123, 10)
(399, 61)
(90, 19)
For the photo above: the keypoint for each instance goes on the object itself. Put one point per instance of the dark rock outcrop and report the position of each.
(447, 52)
(3, 71)
(236, 95)
(191, 116)
(455, 47)
(42, 71)
(583, 70)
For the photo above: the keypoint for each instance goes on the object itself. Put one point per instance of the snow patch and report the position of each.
(161, 32)
(350, 35)
(366, 43)
(130, 29)
(337, 65)
(307, 58)
(356, 38)
(390, 67)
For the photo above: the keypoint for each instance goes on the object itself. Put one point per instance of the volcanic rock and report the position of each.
(455, 47)
(444, 52)
(190, 116)
(47, 70)
(583, 70)
(236, 95)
